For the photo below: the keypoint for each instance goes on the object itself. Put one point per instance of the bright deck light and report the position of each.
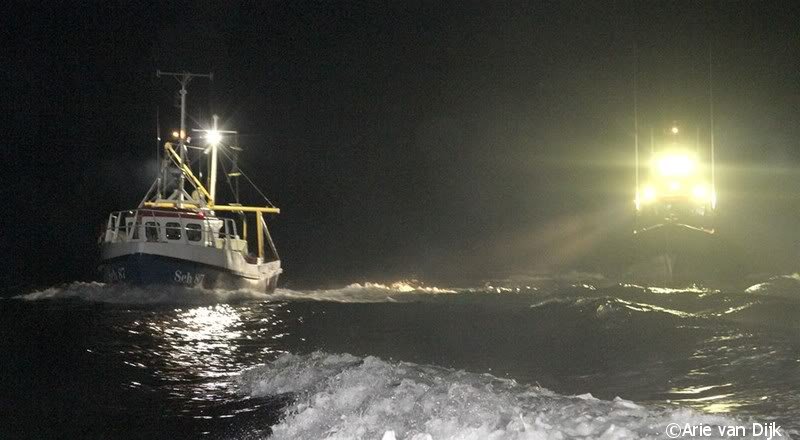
(648, 194)
(674, 130)
(675, 165)
(700, 192)
(213, 137)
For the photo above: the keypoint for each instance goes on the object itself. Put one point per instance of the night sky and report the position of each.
(400, 140)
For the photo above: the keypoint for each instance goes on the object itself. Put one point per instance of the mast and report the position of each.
(183, 79)
(636, 124)
(212, 178)
(711, 117)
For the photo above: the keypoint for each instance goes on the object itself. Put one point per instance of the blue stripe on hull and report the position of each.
(146, 269)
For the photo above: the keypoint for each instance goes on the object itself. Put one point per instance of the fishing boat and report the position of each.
(180, 234)
(675, 201)
(675, 209)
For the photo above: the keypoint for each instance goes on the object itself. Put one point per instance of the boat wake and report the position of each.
(124, 294)
(337, 396)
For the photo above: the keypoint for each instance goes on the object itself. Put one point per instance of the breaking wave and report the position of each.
(780, 285)
(607, 307)
(344, 397)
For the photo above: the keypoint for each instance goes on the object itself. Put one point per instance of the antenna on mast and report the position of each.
(183, 79)
(158, 151)
(652, 143)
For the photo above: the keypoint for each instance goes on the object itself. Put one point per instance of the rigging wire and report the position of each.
(249, 180)
(228, 181)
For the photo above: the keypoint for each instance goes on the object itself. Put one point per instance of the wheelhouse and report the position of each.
(173, 227)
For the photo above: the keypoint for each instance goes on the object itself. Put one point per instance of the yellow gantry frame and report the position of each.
(260, 233)
(258, 210)
(188, 172)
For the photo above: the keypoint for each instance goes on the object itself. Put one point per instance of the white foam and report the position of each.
(125, 294)
(347, 397)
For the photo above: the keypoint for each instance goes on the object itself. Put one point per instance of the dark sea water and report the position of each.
(524, 359)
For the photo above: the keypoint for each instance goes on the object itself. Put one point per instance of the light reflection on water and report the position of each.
(194, 352)
(749, 368)
(204, 339)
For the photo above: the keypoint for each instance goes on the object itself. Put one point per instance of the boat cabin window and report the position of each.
(173, 231)
(193, 232)
(151, 231)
